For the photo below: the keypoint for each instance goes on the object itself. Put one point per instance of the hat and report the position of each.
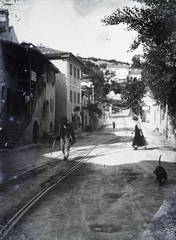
(64, 119)
(135, 118)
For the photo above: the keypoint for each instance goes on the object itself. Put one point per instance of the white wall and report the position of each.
(61, 96)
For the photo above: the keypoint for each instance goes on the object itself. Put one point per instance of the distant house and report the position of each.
(87, 89)
(68, 84)
(135, 73)
(119, 72)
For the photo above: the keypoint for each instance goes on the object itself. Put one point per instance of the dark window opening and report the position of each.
(74, 71)
(2, 93)
(70, 96)
(74, 97)
(70, 69)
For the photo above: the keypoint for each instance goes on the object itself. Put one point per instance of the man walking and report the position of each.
(66, 136)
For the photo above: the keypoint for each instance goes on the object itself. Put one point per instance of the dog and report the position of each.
(161, 174)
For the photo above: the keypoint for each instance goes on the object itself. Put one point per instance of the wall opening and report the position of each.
(51, 127)
(44, 110)
(36, 132)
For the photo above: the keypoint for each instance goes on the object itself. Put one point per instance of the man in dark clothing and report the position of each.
(66, 136)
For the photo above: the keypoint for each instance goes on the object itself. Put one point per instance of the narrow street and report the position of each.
(113, 196)
(71, 162)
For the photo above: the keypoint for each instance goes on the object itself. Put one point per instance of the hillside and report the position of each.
(100, 62)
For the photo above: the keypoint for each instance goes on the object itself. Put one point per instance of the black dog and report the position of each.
(161, 174)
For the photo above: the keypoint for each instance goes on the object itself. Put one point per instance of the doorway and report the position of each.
(36, 132)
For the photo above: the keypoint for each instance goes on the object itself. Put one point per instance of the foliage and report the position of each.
(93, 109)
(96, 60)
(103, 65)
(136, 63)
(106, 89)
(97, 78)
(133, 91)
(155, 22)
(116, 87)
(118, 103)
(87, 91)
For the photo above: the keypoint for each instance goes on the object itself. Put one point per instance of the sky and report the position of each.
(73, 26)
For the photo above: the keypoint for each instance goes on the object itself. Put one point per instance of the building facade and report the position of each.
(119, 72)
(6, 32)
(27, 97)
(87, 97)
(68, 85)
(27, 89)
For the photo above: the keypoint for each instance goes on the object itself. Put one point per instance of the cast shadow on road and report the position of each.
(119, 139)
(121, 183)
(122, 129)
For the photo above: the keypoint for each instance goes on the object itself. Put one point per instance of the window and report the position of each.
(78, 97)
(2, 93)
(74, 71)
(77, 73)
(48, 76)
(74, 97)
(70, 69)
(70, 96)
(53, 78)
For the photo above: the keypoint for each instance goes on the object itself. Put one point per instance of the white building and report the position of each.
(87, 97)
(135, 73)
(68, 84)
(119, 72)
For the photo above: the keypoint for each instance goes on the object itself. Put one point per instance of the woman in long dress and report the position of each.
(139, 139)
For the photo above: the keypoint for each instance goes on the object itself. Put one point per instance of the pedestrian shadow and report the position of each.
(119, 139)
(147, 148)
(156, 148)
(122, 129)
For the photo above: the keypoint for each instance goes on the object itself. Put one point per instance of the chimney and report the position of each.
(4, 20)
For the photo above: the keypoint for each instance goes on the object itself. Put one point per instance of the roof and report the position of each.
(54, 54)
(27, 48)
(135, 71)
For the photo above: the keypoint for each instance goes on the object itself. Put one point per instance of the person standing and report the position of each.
(66, 136)
(139, 139)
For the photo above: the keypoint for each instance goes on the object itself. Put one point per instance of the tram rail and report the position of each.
(18, 215)
(18, 176)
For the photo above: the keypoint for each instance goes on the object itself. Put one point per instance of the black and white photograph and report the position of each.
(87, 120)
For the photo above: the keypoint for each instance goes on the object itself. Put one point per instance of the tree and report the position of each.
(97, 78)
(116, 87)
(155, 22)
(94, 109)
(136, 63)
(133, 92)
